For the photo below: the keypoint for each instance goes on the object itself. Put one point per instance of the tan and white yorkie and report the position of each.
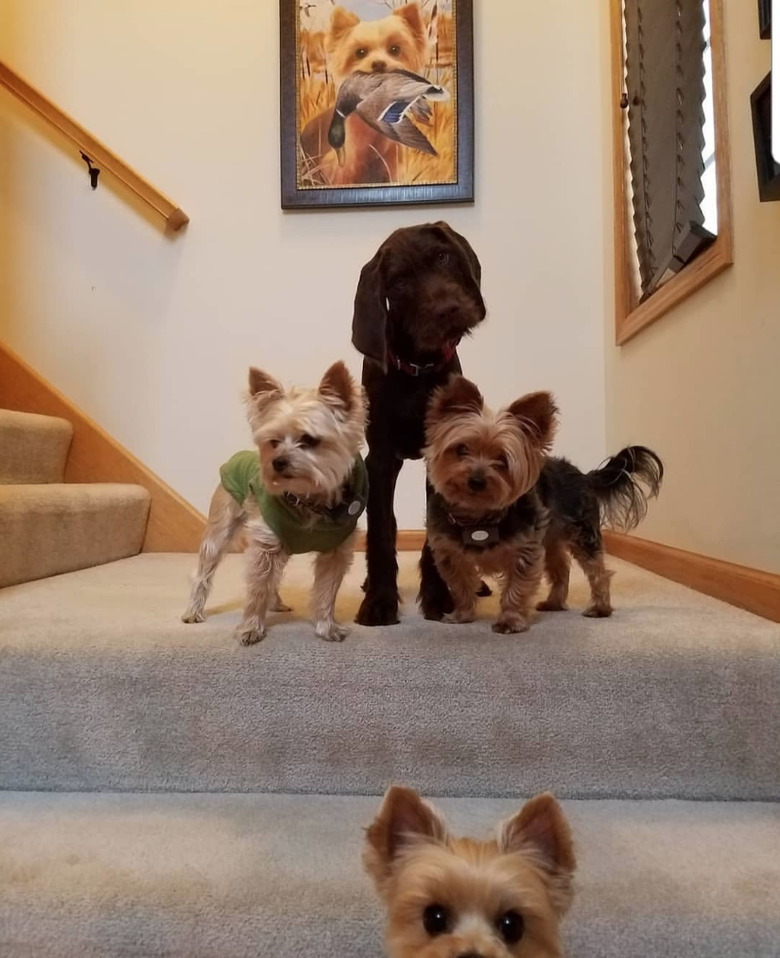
(452, 897)
(301, 490)
(502, 506)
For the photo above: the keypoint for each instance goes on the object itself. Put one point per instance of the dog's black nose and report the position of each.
(280, 463)
(477, 482)
(470, 954)
(446, 311)
(378, 66)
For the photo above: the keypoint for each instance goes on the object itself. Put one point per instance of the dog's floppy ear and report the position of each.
(536, 414)
(369, 320)
(475, 267)
(541, 831)
(403, 819)
(457, 397)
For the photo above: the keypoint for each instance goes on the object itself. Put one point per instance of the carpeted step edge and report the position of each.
(237, 875)
(54, 528)
(33, 448)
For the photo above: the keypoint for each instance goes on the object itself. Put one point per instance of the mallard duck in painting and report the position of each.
(384, 101)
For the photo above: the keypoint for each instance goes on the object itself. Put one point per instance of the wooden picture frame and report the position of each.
(765, 19)
(767, 170)
(321, 45)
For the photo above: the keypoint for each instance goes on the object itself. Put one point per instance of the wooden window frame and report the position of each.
(630, 315)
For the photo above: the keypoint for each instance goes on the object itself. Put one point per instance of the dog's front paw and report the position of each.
(251, 636)
(435, 600)
(379, 609)
(598, 612)
(194, 615)
(331, 631)
(460, 616)
(510, 624)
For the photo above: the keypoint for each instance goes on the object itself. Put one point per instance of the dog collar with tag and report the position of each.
(350, 507)
(300, 524)
(479, 535)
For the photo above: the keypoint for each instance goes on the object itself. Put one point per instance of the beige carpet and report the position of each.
(50, 528)
(257, 876)
(33, 448)
(103, 688)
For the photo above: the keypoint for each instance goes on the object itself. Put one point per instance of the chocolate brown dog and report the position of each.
(415, 301)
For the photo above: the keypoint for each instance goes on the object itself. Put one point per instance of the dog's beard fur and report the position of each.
(396, 42)
(503, 452)
(317, 432)
(525, 869)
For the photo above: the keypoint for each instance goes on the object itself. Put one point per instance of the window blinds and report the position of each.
(665, 87)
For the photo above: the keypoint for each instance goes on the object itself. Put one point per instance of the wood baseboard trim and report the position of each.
(173, 526)
(751, 589)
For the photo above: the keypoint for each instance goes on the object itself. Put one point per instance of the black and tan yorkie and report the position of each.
(503, 507)
(450, 897)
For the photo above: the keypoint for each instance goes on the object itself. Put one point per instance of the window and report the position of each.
(671, 193)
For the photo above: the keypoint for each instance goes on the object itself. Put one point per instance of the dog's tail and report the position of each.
(624, 484)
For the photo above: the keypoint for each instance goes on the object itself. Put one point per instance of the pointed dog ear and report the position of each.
(369, 320)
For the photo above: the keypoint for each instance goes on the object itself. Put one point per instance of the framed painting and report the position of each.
(765, 19)
(377, 102)
(767, 170)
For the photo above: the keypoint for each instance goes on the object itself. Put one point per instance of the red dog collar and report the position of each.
(413, 369)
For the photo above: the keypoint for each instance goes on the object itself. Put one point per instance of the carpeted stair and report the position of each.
(278, 876)
(48, 526)
(674, 697)
(103, 690)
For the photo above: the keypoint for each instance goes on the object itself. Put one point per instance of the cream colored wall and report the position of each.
(152, 336)
(702, 385)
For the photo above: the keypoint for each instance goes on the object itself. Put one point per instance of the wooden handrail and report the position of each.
(100, 155)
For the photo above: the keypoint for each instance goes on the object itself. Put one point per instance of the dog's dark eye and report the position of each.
(511, 927)
(273, 443)
(502, 462)
(461, 450)
(361, 52)
(442, 257)
(309, 442)
(394, 50)
(436, 920)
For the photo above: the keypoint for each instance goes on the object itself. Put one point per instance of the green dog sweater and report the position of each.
(297, 530)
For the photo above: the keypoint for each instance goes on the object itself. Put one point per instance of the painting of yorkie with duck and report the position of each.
(376, 101)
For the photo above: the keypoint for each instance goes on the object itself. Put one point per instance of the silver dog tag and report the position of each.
(480, 536)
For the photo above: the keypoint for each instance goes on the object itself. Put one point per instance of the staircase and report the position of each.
(47, 526)
(170, 793)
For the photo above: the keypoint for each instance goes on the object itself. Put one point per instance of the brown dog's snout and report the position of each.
(280, 463)
(477, 481)
(447, 310)
(378, 66)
